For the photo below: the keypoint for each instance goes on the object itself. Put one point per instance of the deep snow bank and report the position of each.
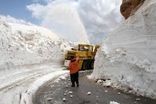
(127, 55)
(27, 45)
(33, 54)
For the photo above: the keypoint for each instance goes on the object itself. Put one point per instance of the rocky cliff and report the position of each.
(129, 7)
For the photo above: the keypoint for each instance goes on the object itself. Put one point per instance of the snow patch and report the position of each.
(113, 102)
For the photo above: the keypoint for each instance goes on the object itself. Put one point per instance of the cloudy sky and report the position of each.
(72, 18)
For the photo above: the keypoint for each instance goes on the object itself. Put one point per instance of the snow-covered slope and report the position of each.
(28, 53)
(128, 55)
(26, 44)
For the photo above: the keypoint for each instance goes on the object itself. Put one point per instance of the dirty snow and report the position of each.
(127, 55)
(30, 56)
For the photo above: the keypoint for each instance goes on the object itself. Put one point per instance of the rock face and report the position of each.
(129, 7)
(127, 55)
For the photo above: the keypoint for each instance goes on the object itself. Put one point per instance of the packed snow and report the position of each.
(127, 55)
(30, 56)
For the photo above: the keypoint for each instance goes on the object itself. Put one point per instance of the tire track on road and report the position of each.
(24, 80)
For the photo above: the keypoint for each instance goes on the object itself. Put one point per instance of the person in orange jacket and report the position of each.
(74, 71)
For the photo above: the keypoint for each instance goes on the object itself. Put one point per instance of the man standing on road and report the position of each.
(74, 71)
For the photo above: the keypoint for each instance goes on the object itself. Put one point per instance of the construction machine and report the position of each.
(86, 54)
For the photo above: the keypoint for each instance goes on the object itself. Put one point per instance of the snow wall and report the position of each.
(128, 55)
(22, 45)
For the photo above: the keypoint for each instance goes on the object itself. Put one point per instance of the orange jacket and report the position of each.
(74, 67)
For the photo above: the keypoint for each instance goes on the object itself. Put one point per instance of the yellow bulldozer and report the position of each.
(86, 54)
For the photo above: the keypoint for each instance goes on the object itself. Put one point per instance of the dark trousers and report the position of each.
(74, 79)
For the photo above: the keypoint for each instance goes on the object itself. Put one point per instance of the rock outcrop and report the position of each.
(129, 7)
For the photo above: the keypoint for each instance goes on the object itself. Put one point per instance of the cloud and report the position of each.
(11, 19)
(98, 17)
(38, 10)
(42, 1)
(62, 18)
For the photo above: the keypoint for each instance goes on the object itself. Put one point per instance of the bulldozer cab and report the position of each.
(86, 54)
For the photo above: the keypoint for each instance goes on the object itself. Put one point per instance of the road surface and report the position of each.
(87, 93)
(15, 84)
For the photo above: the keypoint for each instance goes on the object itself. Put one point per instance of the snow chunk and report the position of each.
(70, 92)
(64, 99)
(113, 102)
(71, 96)
(107, 83)
(99, 81)
(89, 93)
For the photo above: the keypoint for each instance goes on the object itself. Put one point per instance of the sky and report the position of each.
(18, 10)
(96, 18)
(15, 8)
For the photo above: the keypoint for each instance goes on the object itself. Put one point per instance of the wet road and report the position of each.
(87, 93)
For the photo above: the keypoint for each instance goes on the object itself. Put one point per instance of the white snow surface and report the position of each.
(30, 56)
(26, 44)
(127, 55)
